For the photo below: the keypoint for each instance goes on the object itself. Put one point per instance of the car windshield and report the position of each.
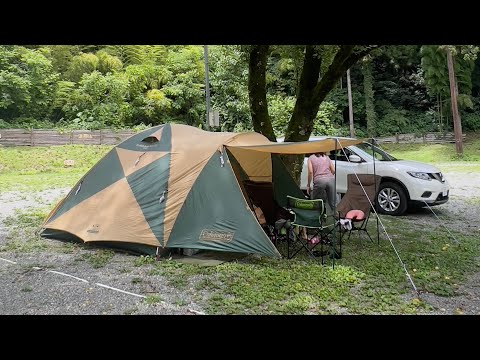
(380, 155)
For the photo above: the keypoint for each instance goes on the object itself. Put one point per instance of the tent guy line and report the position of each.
(63, 274)
(125, 292)
(385, 230)
(196, 312)
(83, 280)
(9, 261)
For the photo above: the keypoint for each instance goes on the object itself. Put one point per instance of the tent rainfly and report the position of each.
(176, 186)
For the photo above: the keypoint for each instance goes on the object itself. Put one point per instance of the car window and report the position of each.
(380, 155)
(342, 154)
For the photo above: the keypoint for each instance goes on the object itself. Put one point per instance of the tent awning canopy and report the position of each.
(303, 147)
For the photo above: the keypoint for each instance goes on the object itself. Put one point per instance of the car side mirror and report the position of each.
(355, 159)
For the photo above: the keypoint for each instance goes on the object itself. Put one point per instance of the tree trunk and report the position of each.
(350, 104)
(257, 91)
(310, 92)
(457, 123)
(441, 113)
(301, 123)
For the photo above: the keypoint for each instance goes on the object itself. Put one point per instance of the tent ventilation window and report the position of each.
(150, 139)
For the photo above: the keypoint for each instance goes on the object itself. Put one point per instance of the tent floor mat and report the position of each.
(209, 258)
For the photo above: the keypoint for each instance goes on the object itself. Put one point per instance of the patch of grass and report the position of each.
(177, 273)
(99, 258)
(180, 302)
(153, 299)
(435, 153)
(369, 279)
(38, 168)
(130, 311)
(136, 280)
(69, 248)
(144, 260)
(22, 236)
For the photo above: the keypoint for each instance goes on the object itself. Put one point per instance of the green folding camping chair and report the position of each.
(309, 214)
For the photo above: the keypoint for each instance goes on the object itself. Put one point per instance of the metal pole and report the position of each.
(207, 85)
(374, 203)
(350, 105)
(334, 251)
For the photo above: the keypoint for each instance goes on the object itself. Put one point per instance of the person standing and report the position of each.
(321, 171)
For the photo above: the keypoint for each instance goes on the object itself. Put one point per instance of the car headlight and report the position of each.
(420, 175)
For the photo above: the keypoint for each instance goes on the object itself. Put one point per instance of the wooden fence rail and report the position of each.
(19, 137)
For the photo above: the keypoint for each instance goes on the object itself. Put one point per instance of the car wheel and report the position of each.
(391, 199)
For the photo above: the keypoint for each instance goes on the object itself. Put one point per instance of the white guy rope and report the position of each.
(122, 291)
(82, 280)
(63, 274)
(9, 261)
(381, 223)
(433, 212)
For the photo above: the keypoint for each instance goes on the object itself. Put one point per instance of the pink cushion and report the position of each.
(355, 214)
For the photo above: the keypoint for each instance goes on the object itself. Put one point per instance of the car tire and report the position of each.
(391, 199)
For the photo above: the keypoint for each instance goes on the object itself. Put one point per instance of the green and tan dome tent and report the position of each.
(176, 186)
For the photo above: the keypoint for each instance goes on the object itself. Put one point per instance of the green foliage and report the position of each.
(108, 63)
(228, 82)
(144, 260)
(325, 119)
(369, 99)
(27, 83)
(96, 86)
(153, 299)
(98, 101)
(283, 69)
(395, 121)
(434, 65)
(99, 258)
(61, 56)
(139, 54)
(280, 110)
(470, 121)
(80, 65)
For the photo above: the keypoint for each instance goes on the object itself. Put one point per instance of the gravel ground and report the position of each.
(31, 286)
(29, 283)
(459, 213)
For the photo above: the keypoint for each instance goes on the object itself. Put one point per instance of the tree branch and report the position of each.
(344, 59)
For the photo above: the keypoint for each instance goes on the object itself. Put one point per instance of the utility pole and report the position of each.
(457, 123)
(350, 105)
(207, 86)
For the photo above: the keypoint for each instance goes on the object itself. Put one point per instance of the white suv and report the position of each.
(404, 182)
